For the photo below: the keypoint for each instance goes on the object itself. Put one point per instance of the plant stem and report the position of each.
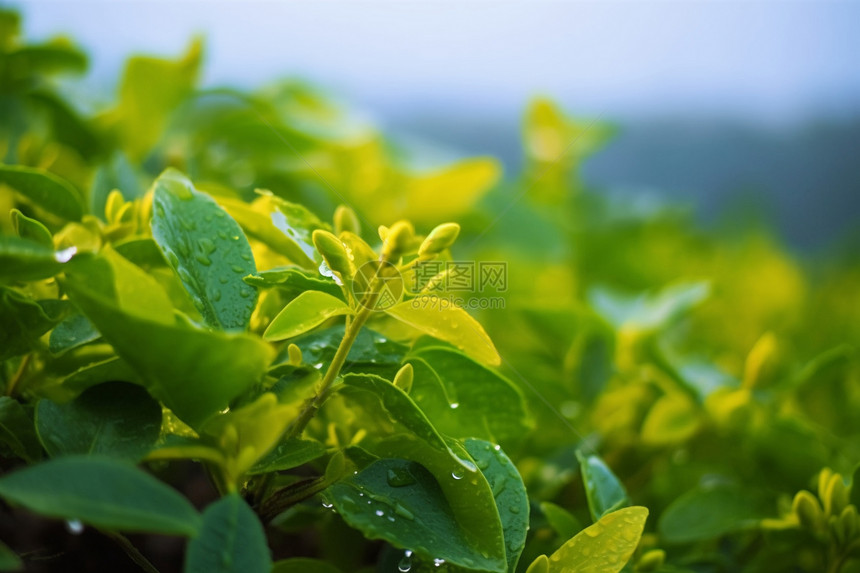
(19, 374)
(133, 553)
(350, 334)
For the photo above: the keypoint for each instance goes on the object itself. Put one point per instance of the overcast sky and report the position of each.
(769, 61)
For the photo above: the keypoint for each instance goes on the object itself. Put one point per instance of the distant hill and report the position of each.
(805, 179)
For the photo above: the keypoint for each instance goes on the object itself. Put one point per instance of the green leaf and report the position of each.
(708, 512)
(112, 369)
(142, 251)
(604, 547)
(116, 419)
(370, 349)
(48, 191)
(855, 487)
(73, 332)
(564, 522)
(604, 491)
(287, 455)
(103, 493)
(401, 502)
(306, 311)
(25, 260)
(303, 565)
(294, 281)
(208, 250)
(231, 540)
(17, 430)
(512, 501)
(149, 91)
(672, 420)
(49, 58)
(414, 437)
(24, 321)
(452, 390)
(31, 229)
(193, 372)
(439, 318)
(246, 434)
(173, 447)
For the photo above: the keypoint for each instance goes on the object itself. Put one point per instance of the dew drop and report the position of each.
(455, 405)
(399, 477)
(327, 505)
(74, 526)
(216, 295)
(244, 293)
(514, 509)
(223, 280)
(458, 474)
(246, 256)
(405, 563)
(203, 260)
(438, 562)
(237, 269)
(206, 245)
(379, 513)
(497, 447)
(222, 234)
(65, 255)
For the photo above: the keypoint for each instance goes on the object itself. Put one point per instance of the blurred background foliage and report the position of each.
(713, 369)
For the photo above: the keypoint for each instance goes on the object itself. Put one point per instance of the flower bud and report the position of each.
(333, 251)
(295, 354)
(397, 241)
(808, 510)
(345, 219)
(439, 239)
(403, 378)
(357, 249)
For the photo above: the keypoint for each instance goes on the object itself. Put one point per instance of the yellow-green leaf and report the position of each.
(439, 318)
(306, 311)
(604, 547)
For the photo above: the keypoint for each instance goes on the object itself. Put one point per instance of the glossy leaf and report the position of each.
(512, 501)
(101, 492)
(604, 491)
(294, 281)
(205, 370)
(174, 447)
(48, 191)
(401, 502)
(414, 437)
(604, 547)
(17, 430)
(439, 318)
(231, 540)
(208, 250)
(25, 260)
(73, 332)
(116, 419)
(306, 311)
(109, 370)
(708, 512)
(452, 389)
(287, 455)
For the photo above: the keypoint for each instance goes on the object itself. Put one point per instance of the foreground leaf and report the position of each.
(604, 547)
(510, 493)
(9, 561)
(401, 502)
(287, 455)
(116, 419)
(412, 436)
(101, 492)
(306, 311)
(23, 321)
(452, 389)
(440, 319)
(231, 540)
(208, 250)
(193, 372)
(303, 565)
